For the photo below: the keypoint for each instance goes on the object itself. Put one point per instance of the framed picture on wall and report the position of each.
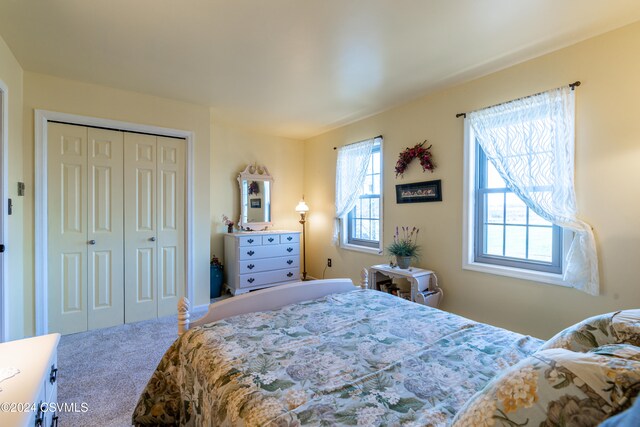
(256, 203)
(418, 192)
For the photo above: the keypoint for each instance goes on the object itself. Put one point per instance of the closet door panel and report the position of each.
(67, 228)
(106, 228)
(140, 213)
(171, 223)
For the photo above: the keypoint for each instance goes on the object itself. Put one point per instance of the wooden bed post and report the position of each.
(183, 315)
(364, 279)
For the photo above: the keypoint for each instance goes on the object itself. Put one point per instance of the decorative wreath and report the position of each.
(254, 188)
(418, 151)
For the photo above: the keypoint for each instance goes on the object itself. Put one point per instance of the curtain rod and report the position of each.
(571, 85)
(375, 137)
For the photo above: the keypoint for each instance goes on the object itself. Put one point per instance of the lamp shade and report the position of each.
(302, 207)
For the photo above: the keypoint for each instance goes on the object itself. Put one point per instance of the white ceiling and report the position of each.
(294, 68)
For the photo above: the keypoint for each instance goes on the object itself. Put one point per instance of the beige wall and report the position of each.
(11, 75)
(54, 94)
(607, 184)
(232, 149)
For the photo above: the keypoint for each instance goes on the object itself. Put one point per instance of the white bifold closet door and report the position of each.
(116, 250)
(154, 226)
(85, 228)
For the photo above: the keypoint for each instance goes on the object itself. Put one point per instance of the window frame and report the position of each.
(360, 245)
(481, 189)
(471, 222)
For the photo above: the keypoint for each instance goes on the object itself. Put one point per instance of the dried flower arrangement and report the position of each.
(418, 151)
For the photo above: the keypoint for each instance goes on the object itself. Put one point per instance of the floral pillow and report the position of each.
(611, 328)
(555, 387)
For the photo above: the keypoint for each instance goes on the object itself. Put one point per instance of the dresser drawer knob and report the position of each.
(289, 274)
(289, 249)
(53, 374)
(250, 253)
(39, 416)
(270, 239)
(251, 280)
(250, 240)
(289, 261)
(289, 238)
(250, 266)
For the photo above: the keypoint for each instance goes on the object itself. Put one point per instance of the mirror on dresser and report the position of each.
(256, 185)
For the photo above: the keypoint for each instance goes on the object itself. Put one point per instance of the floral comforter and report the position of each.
(357, 358)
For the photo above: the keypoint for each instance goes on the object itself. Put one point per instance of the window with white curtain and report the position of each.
(520, 203)
(359, 196)
(508, 232)
(364, 220)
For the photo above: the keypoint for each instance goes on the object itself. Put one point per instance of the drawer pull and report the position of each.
(270, 239)
(289, 274)
(250, 266)
(54, 421)
(39, 416)
(53, 374)
(250, 240)
(289, 238)
(250, 253)
(289, 261)
(251, 280)
(289, 249)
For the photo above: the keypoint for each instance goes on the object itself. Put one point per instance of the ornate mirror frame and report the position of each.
(255, 174)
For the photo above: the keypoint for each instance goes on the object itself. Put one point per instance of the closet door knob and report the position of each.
(153, 239)
(92, 242)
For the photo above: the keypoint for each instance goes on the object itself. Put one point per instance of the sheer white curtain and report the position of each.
(351, 169)
(530, 141)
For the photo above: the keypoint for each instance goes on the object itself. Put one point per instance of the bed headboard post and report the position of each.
(364, 278)
(183, 315)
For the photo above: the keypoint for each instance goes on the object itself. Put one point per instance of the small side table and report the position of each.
(424, 283)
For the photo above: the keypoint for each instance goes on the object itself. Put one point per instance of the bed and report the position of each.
(327, 353)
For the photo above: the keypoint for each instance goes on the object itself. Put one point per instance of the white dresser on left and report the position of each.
(261, 259)
(29, 397)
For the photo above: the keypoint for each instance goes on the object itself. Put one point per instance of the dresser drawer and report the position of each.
(269, 251)
(250, 240)
(267, 277)
(290, 238)
(271, 240)
(267, 264)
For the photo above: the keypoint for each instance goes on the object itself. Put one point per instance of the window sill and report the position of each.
(518, 273)
(363, 249)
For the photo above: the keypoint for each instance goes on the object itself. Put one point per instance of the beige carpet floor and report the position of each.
(108, 368)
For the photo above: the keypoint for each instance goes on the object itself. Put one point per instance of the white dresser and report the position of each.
(29, 398)
(261, 259)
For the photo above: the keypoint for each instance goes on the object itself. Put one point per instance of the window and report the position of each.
(362, 223)
(508, 225)
(507, 232)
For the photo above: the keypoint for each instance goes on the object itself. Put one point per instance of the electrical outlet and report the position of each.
(328, 262)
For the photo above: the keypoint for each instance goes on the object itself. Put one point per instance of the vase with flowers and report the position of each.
(404, 246)
(228, 223)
